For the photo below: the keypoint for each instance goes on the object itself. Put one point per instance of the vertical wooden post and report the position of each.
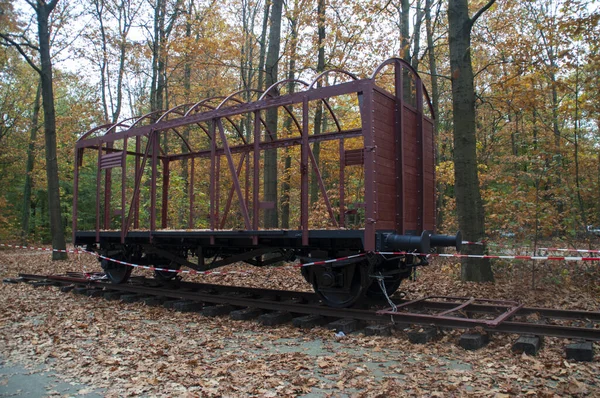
(421, 138)
(191, 194)
(165, 193)
(154, 139)
(304, 173)
(399, 139)
(370, 172)
(256, 170)
(213, 150)
(78, 156)
(247, 179)
(98, 177)
(123, 187)
(136, 202)
(217, 189)
(342, 185)
(107, 191)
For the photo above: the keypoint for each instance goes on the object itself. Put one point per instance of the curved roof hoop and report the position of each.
(146, 116)
(172, 110)
(203, 103)
(112, 129)
(93, 130)
(279, 83)
(108, 127)
(403, 64)
(232, 96)
(177, 111)
(296, 122)
(333, 116)
(185, 141)
(393, 60)
(287, 109)
(323, 74)
(327, 105)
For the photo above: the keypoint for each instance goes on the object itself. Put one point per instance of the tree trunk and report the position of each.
(155, 55)
(270, 165)
(56, 223)
(99, 8)
(318, 122)
(417, 36)
(187, 86)
(404, 30)
(285, 184)
(468, 197)
(263, 47)
(29, 167)
(576, 145)
(435, 103)
(159, 29)
(122, 55)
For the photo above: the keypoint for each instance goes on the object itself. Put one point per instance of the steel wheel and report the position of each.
(166, 275)
(343, 286)
(391, 283)
(394, 272)
(117, 273)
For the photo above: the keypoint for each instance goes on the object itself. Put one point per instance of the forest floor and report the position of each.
(92, 347)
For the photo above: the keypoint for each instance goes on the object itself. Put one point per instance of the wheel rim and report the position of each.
(167, 275)
(117, 273)
(391, 285)
(396, 273)
(354, 288)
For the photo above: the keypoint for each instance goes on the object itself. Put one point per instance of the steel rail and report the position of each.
(209, 294)
(181, 286)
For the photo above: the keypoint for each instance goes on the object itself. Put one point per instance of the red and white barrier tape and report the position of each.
(539, 258)
(178, 271)
(46, 249)
(333, 260)
(466, 242)
(555, 249)
(548, 249)
(501, 257)
(148, 267)
(323, 262)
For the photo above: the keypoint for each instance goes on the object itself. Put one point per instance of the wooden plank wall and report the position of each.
(385, 160)
(386, 148)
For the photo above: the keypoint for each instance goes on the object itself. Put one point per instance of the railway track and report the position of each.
(446, 312)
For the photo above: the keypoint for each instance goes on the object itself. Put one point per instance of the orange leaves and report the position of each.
(444, 172)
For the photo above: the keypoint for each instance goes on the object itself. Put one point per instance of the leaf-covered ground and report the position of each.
(131, 350)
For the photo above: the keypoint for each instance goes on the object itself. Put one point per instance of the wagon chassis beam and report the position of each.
(307, 303)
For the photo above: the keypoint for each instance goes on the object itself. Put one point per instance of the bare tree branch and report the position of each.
(481, 11)
(25, 42)
(33, 4)
(11, 43)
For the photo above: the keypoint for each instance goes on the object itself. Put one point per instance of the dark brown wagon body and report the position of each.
(219, 146)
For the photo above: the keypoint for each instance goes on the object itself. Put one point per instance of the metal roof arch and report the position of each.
(403, 64)
(204, 103)
(233, 96)
(327, 72)
(279, 83)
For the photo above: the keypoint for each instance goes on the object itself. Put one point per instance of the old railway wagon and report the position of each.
(300, 171)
